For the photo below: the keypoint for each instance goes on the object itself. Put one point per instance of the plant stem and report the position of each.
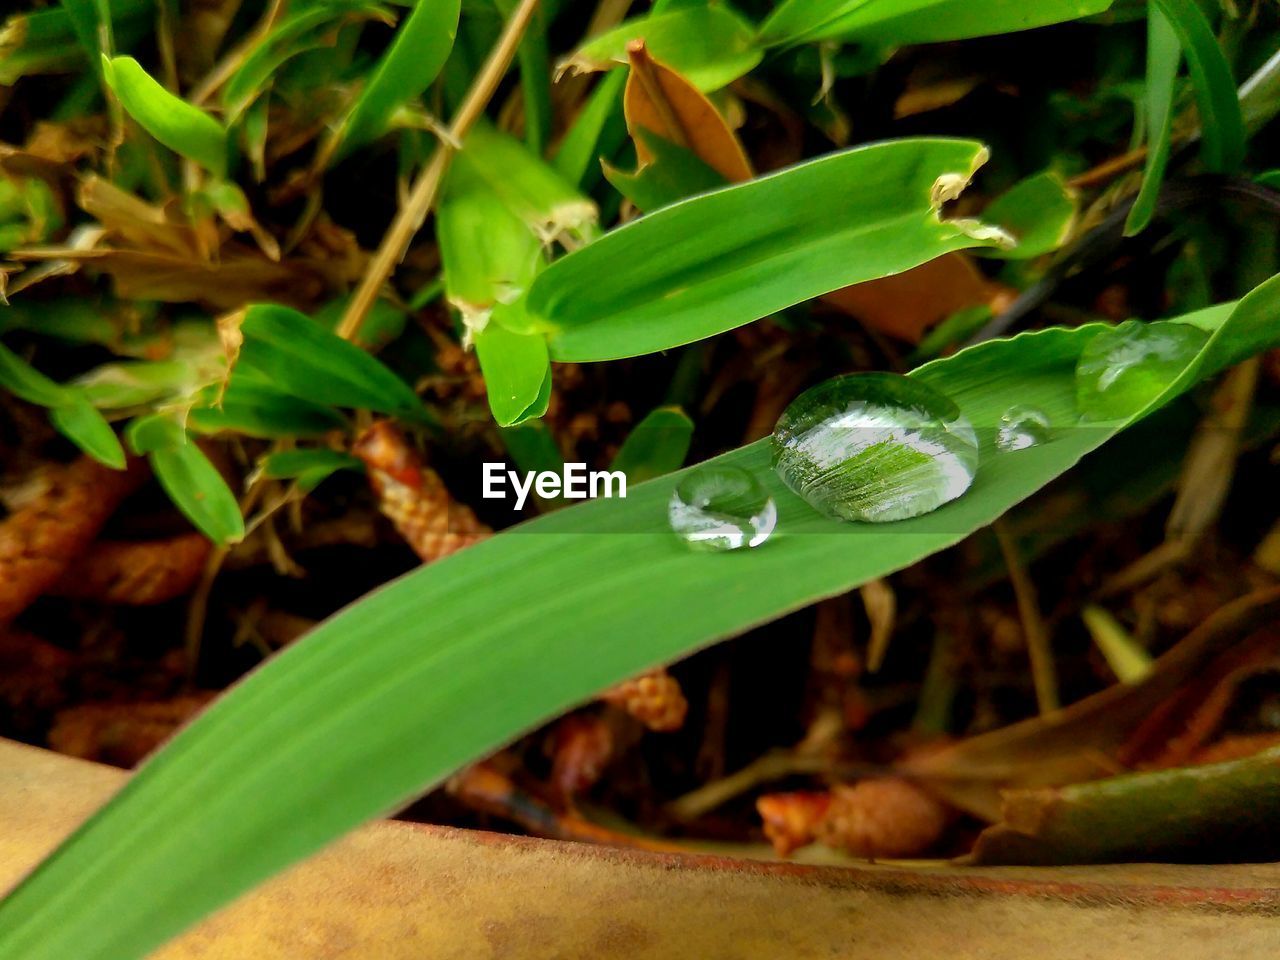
(423, 193)
(1043, 674)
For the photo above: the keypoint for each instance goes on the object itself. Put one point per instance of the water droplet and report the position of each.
(1022, 426)
(1123, 369)
(721, 508)
(875, 447)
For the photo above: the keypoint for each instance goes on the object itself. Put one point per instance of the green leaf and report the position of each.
(533, 191)
(1039, 212)
(192, 482)
(260, 410)
(534, 59)
(1222, 135)
(307, 29)
(197, 489)
(27, 383)
(304, 359)
(118, 386)
(183, 128)
(898, 22)
(84, 426)
(154, 432)
(1163, 59)
(91, 23)
(516, 368)
(491, 254)
(656, 446)
(426, 674)
(308, 467)
(722, 259)
(585, 140)
(709, 45)
(76, 320)
(69, 409)
(673, 174)
(413, 60)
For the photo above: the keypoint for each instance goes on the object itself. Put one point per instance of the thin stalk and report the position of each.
(422, 195)
(228, 65)
(1043, 673)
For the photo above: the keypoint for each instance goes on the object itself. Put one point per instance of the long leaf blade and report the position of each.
(1220, 116)
(725, 258)
(1163, 58)
(899, 22)
(413, 60)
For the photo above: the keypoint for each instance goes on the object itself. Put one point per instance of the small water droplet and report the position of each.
(1123, 369)
(1022, 426)
(875, 447)
(721, 508)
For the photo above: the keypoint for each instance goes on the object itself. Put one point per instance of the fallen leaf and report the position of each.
(661, 101)
(906, 305)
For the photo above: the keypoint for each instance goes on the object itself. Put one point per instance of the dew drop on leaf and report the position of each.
(875, 447)
(1123, 369)
(721, 508)
(1022, 426)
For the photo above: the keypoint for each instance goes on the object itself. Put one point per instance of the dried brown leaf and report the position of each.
(661, 101)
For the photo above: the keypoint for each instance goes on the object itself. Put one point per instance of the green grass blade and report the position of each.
(1221, 122)
(577, 157)
(304, 359)
(260, 410)
(1164, 56)
(722, 259)
(709, 45)
(516, 369)
(657, 445)
(1038, 211)
(413, 60)
(185, 129)
(91, 23)
(69, 408)
(297, 34)
(26, 382)
(192, 482)
(899, 22)
(534, 58)
(427, 674)
(196, 488)
(84, 426)
(309, 468)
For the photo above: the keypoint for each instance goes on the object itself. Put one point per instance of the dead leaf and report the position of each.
(661, 101)
(907, 305)
(1080, 741)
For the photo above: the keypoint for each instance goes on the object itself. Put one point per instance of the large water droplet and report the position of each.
(721, 508)
(1022, 426)
(875, 447)
(1123, 369)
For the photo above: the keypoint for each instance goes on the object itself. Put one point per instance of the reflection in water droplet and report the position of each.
(1123, 369)
(1022, 426)
(875, 447)
(721, 508)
